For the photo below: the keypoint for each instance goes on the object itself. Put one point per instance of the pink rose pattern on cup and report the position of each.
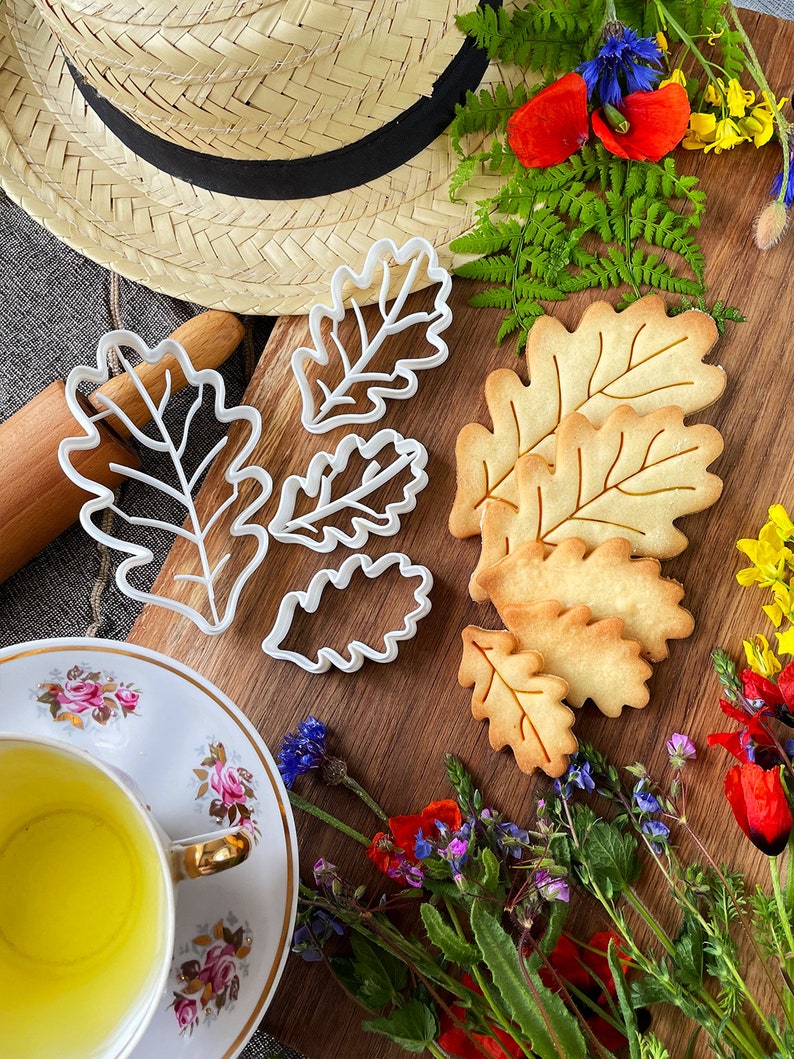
(209, 981)
(88, 696)
(231, 788)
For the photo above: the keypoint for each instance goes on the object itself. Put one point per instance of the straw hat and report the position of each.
(235, 152)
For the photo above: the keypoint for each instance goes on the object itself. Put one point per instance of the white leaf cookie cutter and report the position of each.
(309, 600)
(319, 480)
(402, 381)
(196, 530)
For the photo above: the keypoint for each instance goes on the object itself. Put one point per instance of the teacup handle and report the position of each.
(209, 854)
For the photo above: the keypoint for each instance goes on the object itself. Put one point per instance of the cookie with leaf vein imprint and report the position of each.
(593, 657)
(632, 477)
(608, 580)
(639, 357)
(524, 706)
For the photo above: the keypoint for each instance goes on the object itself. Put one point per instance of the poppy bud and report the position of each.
(615, 119)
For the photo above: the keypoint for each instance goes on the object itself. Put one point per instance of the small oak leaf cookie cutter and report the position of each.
(319, 481)
(337, 408)
(309, 600)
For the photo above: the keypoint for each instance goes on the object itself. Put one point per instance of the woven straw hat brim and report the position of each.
(255, 85)
(67, 171)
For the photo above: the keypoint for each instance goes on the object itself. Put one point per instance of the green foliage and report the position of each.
(541, 1014)
(546, 35)
(372, 974)
(453, 947)
(413, 1026)
(594, 221)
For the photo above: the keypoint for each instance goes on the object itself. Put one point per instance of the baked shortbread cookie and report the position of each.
(607, 580)
(591, 656)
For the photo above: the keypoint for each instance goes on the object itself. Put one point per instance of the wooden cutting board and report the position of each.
(394, 722)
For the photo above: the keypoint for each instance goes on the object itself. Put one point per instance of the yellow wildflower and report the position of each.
(737, 99)
(760, 122)
(769, 557)
(760, 656)
(714, 36)
(700, 133)
(781, 520)
(713, 96)
(785, 642)
(726, 136)
(661, 42)
(676, 77)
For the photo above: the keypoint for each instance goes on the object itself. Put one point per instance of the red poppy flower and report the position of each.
(454, 1040)
(657, 122)
(551, 126)
(758, 687)
(403, 831)
(785, 684)
(753, 741)
(760, 806)
(587, 969)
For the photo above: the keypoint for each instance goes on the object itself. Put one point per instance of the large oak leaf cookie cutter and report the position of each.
(171, 440)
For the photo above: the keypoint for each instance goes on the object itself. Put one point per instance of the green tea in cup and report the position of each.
(86, 905)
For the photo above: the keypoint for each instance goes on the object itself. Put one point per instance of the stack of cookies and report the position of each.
(575, 493)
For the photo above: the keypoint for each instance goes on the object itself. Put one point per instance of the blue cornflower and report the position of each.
(644, 800)
(577, 775)
(302, 750)
(658, 833)
(777, 184)
(308, 939)
(620, 67)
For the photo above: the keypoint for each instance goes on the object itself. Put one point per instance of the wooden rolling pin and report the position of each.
(37, 500)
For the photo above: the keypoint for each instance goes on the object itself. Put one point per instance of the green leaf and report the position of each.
(489, 880)
(611, 857)
(552, 1031)
(453, 947)
(413, 1026)
(379, 976)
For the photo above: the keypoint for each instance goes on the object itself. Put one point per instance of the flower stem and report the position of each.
(307, 807)
(367, 799)
(754, 66)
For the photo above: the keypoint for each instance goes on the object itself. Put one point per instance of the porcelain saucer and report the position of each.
(200, 766)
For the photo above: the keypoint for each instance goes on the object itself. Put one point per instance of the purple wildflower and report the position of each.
(621, 66)
(644, 800)
(681, 749)
(308, 940)
(658, 834)
(552, 887)
(404, 871)
(578, 775)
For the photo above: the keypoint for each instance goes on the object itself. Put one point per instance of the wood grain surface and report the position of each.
(394, 722)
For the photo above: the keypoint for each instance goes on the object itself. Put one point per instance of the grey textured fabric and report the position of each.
(54, 306)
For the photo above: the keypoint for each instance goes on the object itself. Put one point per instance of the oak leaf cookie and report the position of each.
(591, 656)
(523, 705)
(631, 478)
(639, 357)
(608, 580)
